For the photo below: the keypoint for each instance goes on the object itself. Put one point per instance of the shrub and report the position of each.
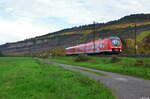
(141, 63)
(115, 59)
(14, 54)
(57, 52)
(82, 58)
(53, 52)
(44, 55)
(1, 54)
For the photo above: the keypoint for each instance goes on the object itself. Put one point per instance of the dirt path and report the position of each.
(123, 87)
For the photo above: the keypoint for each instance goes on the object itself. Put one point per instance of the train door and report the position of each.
(96, 46)
(106, 45)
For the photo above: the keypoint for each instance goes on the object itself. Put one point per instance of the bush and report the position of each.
(82, 58)
(115, 59)
(1, 54)
(44, 55)
(57, 52)
(14, 54)
(141, 63)
(53, 52)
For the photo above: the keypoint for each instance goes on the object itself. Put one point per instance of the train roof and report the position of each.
(82, 45)
(114, 37)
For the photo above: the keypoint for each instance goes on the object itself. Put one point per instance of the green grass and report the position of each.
(125, 66)
(27, 78)
(142, 35)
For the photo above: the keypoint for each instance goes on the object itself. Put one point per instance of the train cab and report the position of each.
(116, 44)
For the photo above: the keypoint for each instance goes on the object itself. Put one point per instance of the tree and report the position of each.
(129, 47)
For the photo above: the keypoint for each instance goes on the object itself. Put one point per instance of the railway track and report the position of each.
(125, 55)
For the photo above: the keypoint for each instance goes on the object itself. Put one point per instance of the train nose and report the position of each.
(116, 49)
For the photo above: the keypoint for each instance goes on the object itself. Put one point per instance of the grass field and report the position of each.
(27, 78)
(138, 67)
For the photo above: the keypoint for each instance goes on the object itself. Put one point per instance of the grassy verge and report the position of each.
(126, 66)
(26, 78)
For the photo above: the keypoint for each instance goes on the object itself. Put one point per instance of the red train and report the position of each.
(107, 45)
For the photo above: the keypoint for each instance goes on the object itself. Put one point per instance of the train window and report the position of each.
(101, 45)
(115, 42)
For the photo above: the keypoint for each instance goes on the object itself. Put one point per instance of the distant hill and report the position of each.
(123, 28)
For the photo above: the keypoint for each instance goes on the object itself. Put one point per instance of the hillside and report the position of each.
(123, 28)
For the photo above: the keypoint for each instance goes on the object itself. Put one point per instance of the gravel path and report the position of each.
(123, 87)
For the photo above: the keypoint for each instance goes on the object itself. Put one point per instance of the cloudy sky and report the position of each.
(22, 19)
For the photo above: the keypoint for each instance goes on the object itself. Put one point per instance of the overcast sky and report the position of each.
(22, 19)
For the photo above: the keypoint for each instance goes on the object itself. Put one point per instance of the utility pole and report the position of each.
(56, 40)
(94, 35)
(135, 30)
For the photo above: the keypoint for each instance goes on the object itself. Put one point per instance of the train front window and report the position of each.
(115, 42)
